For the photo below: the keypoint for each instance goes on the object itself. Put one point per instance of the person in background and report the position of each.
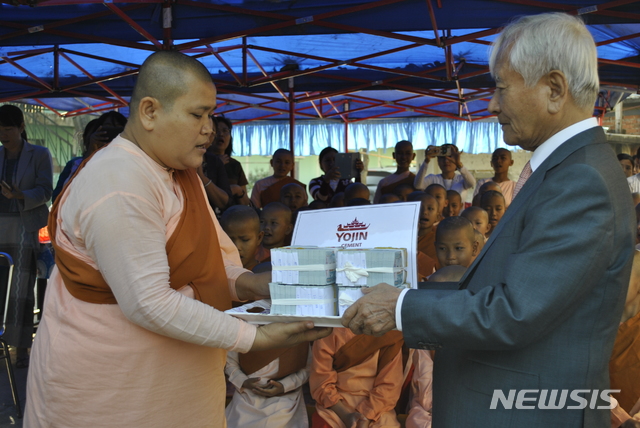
(267, 190)
(214, 177)
(223, 148)
(242, 224)
(404, 155)
(356, 191)
(454, 204)
(626, 162)
(26, 185)
(448, 177)
(456, 243)
(328, 184)
(494, 204)
(294, 196)
(479, 218)
(97, 134)
(501, 161)
(276, 223)
(486, 186)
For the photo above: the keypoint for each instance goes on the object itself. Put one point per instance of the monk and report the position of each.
(133, 332)
(356, 379)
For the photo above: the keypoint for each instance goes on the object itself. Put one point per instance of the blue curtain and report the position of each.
(263, 138)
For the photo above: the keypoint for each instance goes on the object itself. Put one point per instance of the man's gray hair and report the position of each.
(535, 45)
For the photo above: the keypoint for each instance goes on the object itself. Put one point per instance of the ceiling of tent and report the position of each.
(348, 60)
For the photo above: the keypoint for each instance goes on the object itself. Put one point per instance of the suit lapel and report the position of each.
(590, 136)
(25, 159)
(2, 151)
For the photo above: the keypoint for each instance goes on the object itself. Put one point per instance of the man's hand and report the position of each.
(272, 389)
(252, 383)
(350, 417)
(11, 192)
(285, 335)
(375, 312)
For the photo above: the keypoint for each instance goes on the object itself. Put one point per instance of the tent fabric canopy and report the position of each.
(344, 60)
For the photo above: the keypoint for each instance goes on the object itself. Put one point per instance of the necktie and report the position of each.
(524, 176)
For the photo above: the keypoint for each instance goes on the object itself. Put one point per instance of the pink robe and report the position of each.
(359, 387)
(155, 359)
(421, 391)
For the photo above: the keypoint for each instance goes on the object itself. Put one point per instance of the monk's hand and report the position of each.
(375, 312)
(272, 389)
(253, 286)
(285, 335)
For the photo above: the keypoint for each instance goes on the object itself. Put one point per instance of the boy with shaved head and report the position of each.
(404, 155)
(501, 161)
(143, 274)
(276, 225)
(242, 224)
(427, 258)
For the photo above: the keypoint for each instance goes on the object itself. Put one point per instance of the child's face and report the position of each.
(246, 238)
(441, 196)
(428, 215)
(454, 247)
(282, 164)
(501, 161)
(494, 206)
(454, 206)
(480, 221)
(403, 155)
(627, 167)
(403, 192)
(276, 226)
(294, 197)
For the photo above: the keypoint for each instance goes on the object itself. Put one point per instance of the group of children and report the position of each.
(359, 380)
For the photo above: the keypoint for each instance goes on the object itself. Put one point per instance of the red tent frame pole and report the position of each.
(292, 120)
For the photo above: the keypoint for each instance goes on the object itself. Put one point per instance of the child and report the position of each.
(294, 196)
(242, 224)
(427, 258)
(479, 218)
(493, 203)
(454, 204)
(403, 190)
(623, 365)
(440, 193)
(337, 201)
(480, 239)
(456, 242)
(403, 154)
(356, 191)
(486, 186)
(448, 177)
(275, 223)
(500, 162)
(389, 198)
(268, 189)
(268, 388)
(356, 379)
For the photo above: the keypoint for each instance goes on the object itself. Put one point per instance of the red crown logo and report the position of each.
(354, 225)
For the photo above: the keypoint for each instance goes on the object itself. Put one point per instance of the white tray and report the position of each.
(261, 319)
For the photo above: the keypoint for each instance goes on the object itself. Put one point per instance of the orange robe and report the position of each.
(624, 365)
(363, 387)
(426, 266)
(427, 245)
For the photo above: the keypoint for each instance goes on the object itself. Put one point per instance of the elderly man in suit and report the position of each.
(537, 312)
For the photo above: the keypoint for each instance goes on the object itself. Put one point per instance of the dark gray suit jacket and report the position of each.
(35, 178)
(540, 307)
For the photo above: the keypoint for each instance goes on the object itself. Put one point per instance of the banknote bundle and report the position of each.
(303, 265)
(369, 267)
(310, 300)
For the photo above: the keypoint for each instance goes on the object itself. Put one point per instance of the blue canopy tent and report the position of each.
(341, 61)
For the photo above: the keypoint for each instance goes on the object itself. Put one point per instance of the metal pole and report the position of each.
(292, 120)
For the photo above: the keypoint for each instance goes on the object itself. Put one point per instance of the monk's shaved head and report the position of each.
(162, 76)
(458, 224)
